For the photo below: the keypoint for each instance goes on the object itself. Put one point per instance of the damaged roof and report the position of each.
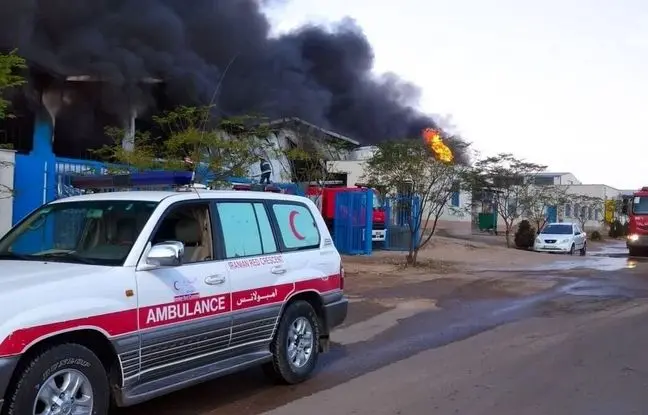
(289, 120)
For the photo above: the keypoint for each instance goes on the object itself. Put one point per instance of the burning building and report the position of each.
(117, 63)
(217, 51)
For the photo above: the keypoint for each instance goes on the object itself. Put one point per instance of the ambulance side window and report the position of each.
(189, 223)
(246, 229)
(297, 226)
(267, 237)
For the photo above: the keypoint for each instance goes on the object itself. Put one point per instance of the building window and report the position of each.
(568, 210)
(590, 213)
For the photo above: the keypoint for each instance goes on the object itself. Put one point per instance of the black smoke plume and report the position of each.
(320, 75)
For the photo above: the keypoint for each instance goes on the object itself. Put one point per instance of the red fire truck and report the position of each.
(324, 198)
(636, 208)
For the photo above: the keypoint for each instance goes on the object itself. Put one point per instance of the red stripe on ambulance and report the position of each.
(191, 308)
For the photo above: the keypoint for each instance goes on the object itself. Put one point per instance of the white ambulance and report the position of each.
(127, 296)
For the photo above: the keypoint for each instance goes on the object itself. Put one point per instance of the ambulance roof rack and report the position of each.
(143, 179)
(257, 187)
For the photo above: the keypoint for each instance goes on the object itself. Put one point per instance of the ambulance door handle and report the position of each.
(278, 270)
(214, 280)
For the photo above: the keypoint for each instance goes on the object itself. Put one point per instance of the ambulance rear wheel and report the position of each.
(295, 347)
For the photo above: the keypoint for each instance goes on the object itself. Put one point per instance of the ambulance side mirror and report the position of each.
(165, 254)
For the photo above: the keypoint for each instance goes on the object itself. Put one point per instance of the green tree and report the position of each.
(409, 164)
(224, 150)
(10, 66)
(510, 181)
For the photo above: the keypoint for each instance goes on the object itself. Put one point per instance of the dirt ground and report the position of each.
(442, 257)
(443, 252)
(448, 268)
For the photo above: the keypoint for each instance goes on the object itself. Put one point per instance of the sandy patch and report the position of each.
(464, 262)
(448, 255)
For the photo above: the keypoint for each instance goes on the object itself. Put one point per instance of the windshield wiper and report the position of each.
(20, 257)
(68, 255)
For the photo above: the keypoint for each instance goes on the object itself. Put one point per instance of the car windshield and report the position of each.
(557, 230)
(640, 205)
(88, 232)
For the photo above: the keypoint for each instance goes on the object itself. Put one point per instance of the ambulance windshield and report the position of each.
(100, 232)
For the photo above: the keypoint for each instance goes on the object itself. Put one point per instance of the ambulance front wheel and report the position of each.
(64, 379)
(295, 347)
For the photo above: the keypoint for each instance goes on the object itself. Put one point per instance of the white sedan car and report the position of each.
(564, 238)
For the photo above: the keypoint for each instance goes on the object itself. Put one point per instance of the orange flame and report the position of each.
(433, 140)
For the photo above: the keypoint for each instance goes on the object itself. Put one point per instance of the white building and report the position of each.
(548, 178)
(593, 211)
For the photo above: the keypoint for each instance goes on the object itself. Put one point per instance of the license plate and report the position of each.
(549, 246)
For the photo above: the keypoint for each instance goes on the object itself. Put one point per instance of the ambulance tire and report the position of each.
(280, 369)
(61, 358)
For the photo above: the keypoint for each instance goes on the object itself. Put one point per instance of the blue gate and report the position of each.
(402, 222)
(352, 224)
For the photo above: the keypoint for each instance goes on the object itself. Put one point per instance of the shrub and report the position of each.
(525, 235)
(616, 229)
(596, 236)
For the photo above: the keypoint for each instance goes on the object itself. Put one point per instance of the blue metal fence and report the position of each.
(66, 168)
(402, 222)
(352, 224)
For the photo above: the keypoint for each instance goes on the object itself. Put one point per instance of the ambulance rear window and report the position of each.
(297, 226)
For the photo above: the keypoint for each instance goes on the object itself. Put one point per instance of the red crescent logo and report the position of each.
(293, 229)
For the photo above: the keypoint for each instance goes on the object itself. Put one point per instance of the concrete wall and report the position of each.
(7, 163)
(456, 219)
(354, 169)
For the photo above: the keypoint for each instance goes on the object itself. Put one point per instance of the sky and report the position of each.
(558, 83)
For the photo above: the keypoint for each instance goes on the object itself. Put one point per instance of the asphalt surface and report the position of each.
(576, 348)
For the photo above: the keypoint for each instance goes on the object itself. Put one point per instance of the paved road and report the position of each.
(577, 348)
(587, 364)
